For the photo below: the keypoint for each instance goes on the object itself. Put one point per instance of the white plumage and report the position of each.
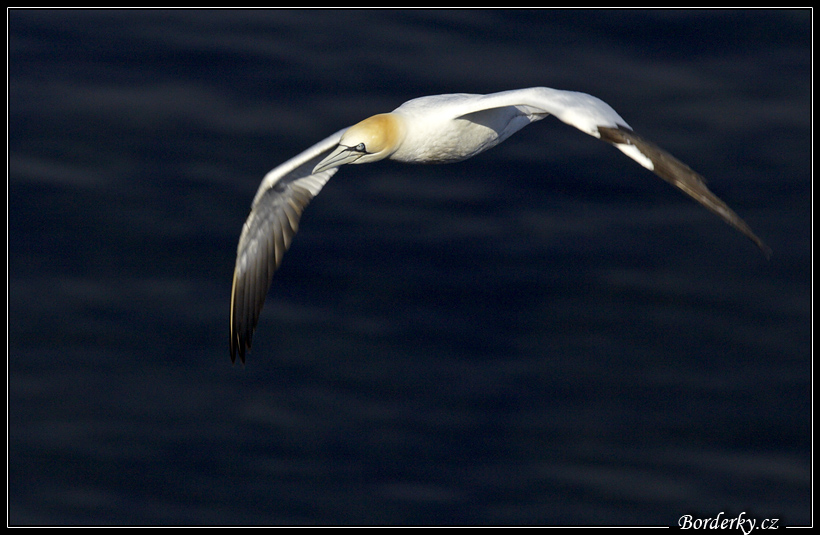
(433, 129)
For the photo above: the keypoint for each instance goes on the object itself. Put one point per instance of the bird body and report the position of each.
(431, 129)
(457, 132)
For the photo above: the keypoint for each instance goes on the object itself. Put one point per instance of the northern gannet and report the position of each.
(432, 129)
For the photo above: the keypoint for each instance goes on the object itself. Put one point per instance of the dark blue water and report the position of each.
(545, 334)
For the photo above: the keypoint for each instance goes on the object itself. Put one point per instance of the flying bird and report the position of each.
(432, 129)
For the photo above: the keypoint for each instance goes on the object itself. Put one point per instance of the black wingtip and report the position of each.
(238, 348)
(683, 177)
(767, 251)
(241, 358)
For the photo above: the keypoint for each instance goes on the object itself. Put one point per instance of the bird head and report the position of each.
(373, 139)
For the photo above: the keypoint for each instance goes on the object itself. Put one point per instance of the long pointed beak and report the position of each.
(341, 155)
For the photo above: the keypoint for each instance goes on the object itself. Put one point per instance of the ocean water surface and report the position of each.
(546, 334)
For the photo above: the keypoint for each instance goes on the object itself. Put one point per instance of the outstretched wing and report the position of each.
(286, 191)
(595, 117)
(267, 234)
(679, 175)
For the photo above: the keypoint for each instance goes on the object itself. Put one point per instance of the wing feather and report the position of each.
(679, 175)
(597, 118)
(267, 235)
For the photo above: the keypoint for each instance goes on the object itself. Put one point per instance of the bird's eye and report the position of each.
(359, 147)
